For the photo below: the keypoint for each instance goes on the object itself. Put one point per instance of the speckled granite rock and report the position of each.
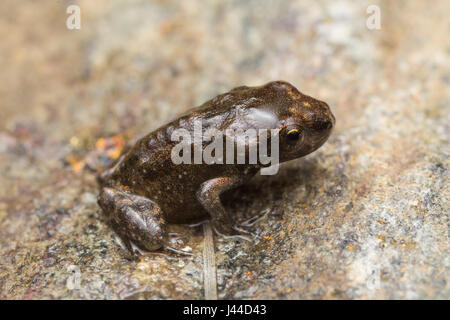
(366, 216)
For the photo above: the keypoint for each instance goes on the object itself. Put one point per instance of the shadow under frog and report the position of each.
(270, 191)
(145, 190)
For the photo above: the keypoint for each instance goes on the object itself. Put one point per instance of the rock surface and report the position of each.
(366, 216)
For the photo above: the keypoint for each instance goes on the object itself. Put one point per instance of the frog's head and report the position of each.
(304, 122)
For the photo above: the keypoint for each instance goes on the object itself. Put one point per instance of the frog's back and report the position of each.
(148, 170)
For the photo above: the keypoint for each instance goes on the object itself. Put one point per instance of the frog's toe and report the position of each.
(224, 229)
(233, 232)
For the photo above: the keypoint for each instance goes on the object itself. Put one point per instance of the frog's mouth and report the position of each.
(318, 139)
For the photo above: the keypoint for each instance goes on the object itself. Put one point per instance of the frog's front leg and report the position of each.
(209, 196)
(134, 218)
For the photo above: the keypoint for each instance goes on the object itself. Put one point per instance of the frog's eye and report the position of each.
(293, 134)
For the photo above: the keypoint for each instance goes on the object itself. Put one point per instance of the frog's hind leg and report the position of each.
(134, 218)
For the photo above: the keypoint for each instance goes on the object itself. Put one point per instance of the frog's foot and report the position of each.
(134, 218)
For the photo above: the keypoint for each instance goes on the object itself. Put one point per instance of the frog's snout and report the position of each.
(325, 120)
(323, 124)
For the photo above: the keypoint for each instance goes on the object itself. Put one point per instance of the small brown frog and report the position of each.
(145, 190)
